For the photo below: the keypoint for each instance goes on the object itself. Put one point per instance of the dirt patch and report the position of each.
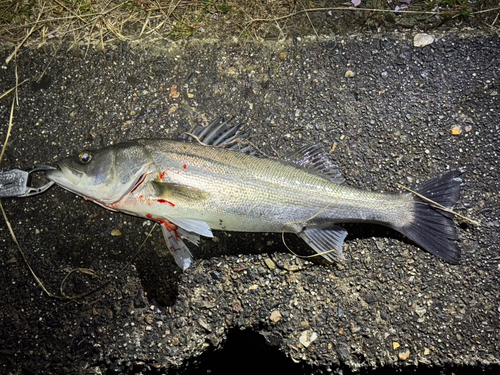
(97, 23)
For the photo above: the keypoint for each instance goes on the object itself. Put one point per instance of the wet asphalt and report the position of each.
(389, 113)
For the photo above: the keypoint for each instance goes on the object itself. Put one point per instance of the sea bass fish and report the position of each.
(192, 189)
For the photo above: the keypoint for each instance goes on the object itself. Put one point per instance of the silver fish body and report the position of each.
(191, 189)
(236, 192)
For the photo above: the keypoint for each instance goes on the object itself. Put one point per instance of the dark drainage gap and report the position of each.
(248, 352)
(245, 352)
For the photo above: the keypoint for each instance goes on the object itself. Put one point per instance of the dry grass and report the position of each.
(97, 22)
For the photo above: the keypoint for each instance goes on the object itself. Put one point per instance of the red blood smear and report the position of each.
(169, 226)
(149, 216)
(172, 228)
(184, 166)
(165, 201)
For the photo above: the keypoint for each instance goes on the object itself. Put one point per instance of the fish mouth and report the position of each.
(78, 183)
(64, 175)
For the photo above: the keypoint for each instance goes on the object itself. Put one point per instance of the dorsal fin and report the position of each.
(220, 133)
(315, 158)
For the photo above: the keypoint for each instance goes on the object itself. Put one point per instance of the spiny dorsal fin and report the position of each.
(315, 158)
(220, 133)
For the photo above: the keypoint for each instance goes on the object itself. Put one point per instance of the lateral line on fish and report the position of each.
(238, 141)
(437, 205)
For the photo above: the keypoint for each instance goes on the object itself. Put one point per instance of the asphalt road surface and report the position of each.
(388, 111)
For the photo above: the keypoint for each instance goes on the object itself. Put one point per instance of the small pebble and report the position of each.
(173, 92)
(456, 130)
(275, 316)
(403, 356)
(420, 311)
(270, 264)
(422, 40)
(349, 74)
(307, 337)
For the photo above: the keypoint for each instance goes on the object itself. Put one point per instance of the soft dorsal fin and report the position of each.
(315, 158)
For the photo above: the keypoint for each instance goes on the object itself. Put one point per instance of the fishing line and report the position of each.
(92, 273)
(299, 222)
(439, 206)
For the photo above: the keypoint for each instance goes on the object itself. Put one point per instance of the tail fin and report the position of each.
(433, 228)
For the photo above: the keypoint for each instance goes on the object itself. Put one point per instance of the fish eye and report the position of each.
(84, 157)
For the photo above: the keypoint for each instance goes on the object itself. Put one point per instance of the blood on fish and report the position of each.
(172, 228)
(162, 174)
(165, 201)
(184, 166)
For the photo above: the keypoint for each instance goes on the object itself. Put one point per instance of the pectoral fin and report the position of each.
(327, 242)
(178, 192)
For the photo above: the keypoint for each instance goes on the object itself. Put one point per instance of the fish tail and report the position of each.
(433, 228)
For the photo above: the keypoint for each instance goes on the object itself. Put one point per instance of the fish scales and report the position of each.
(260, 194)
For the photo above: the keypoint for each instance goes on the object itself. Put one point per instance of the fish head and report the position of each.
(104, 175)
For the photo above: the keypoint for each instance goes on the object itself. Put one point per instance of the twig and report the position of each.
(309, 18)
(12, 89)
(8, 129)
(1, 206)
(7, 60)
(451, 12)
(437, 205)
(94, 16)
(495, 20)
(145, 24)
(69, 10)
(53, 56)
(24, 256)
(85, 270)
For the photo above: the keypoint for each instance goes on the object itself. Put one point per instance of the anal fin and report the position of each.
(327, 242)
